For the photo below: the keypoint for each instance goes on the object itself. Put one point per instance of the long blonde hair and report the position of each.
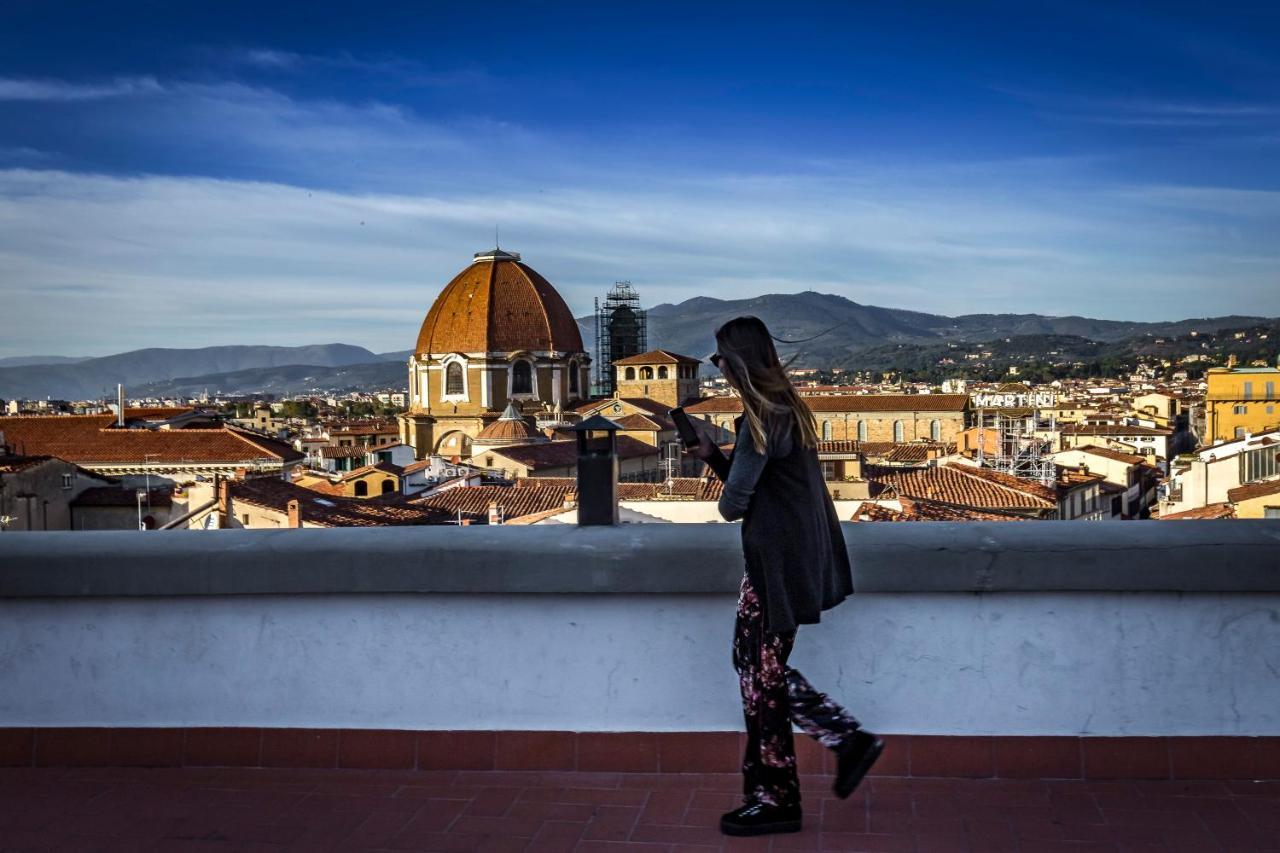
(762, 383)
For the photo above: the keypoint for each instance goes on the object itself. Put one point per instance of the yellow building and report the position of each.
(380, 479)
(1241, 400)
(1257, 500)
(498, 333)
(662, 375)
(865, 417)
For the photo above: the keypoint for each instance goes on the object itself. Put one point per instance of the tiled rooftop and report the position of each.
(225, 809)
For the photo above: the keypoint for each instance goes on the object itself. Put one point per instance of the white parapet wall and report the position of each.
(457, 630)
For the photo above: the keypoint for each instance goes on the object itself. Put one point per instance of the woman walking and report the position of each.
(796, 567)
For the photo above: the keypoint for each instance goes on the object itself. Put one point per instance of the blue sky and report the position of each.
(180, 174)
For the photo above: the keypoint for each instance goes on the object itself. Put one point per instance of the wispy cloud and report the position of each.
(18, 89)
(364, 210)
(406, 72)
(196, 261)
(1149, 112)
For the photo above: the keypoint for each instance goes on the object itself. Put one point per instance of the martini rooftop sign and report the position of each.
(1015, 400)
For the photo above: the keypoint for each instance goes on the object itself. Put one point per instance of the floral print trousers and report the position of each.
(773, 697)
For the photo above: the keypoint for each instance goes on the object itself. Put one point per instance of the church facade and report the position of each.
(498, 334)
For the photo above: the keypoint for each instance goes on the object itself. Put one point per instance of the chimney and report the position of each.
(570, 500)
(295, 514)
(223, 489)
(119, 404)
(495, 513)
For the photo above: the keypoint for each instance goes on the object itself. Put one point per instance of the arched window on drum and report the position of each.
(453, 378)
(522, 378)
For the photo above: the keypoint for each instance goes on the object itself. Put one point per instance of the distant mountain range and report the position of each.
(689, 327)
(848, 335)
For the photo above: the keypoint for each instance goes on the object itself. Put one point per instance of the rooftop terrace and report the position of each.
(1066, 686)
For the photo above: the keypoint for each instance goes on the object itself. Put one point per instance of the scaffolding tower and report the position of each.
(621, 332)
(1019, 450)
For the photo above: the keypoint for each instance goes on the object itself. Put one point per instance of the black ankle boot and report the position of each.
(854, 760)
(761, 819)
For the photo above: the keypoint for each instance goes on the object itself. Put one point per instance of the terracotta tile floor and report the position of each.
(119, 809)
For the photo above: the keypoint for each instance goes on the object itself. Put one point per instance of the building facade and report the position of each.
(1241, 401)
(668, 377)
(865, 417)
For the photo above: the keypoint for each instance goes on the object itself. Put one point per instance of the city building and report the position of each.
(40, 492)
(865, 417)
(1241, 400)
(1257, 500)
(1206, 477)
(1135, 475)
(1155, 442)
(498, 333)
(144, 447)
(661, 375)
(270, 503)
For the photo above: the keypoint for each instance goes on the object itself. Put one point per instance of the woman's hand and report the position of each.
(706, 442)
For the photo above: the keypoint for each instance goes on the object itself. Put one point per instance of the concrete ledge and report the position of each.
(1194, 556)
(919, 756)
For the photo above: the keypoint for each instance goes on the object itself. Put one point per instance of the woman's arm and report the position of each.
(744, 473)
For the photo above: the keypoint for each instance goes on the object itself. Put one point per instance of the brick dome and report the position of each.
(498, 304)
(511, 428)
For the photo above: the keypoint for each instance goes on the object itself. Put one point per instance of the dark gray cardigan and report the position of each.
(791, 537)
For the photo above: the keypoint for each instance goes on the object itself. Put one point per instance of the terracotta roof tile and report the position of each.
(657, 356)
(331, 510)
(693, 488)
(12, 464)
(1114, 455)
(1203, 513)
(558, 454)
(924, 510)
(91, 439)
(963, 485)
(1111, 429)
(524, 497)
(1254, 490)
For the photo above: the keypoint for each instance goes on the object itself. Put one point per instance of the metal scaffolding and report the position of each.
(621, 331)
(1019, 450)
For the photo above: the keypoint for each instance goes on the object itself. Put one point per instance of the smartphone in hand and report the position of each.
(684, 426)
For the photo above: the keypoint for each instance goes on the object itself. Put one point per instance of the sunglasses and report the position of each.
(714, 358)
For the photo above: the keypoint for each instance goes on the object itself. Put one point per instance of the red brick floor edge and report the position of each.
(551, 811)
(924, 756)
